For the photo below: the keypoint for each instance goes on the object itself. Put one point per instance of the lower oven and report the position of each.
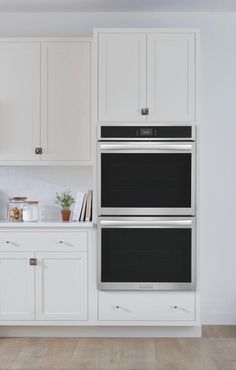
(146, 253)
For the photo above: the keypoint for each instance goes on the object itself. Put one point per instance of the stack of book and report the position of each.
(83, 207)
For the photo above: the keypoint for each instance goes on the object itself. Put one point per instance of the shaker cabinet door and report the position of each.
(16, 286)
(121, 77)
(65, 101)
(171, 77)
(19, 101)
(61, 286)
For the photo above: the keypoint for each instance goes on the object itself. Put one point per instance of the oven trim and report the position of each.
(147, 222)
(145, 147)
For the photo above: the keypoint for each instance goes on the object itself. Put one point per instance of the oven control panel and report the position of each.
(147, 132)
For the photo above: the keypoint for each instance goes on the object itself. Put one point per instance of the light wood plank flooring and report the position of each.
(216, 350)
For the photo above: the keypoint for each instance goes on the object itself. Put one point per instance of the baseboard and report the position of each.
(120, 331)
(218, 318)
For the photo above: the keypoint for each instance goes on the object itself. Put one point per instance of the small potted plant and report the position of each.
(65, 200)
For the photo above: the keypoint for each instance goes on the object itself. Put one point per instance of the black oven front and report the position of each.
(146, 253)
(146, 171)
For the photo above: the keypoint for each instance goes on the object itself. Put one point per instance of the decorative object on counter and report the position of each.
(88, 212)
(80, 200)
(15, 208)
(65, 199)
(31, 211)
(83, 207)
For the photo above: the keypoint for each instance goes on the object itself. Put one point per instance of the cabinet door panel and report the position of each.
(65, 92)
(19, 100)
(61, 286)
(16, 286)
(122, 77)
(171, 77)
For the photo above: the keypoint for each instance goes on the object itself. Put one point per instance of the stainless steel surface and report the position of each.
(144, 222)
(147, 222)
(133, 147)
(146, 147)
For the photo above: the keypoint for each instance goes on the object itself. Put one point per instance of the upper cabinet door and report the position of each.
(171, 77)
(19, 100)
(121, 77)
(65, 92)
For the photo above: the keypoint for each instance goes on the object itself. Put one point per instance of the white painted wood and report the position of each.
(19, 100)
(16, 286)
(61, 286)
(65, 101)
(30, 240)
(93, 331)
(121, 77)
(171, 77)
(146, 306)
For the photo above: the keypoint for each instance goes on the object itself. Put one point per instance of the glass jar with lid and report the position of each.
(15, 208)
(31, 211)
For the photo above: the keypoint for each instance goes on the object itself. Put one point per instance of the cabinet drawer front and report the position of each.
(44, 241)
(146, 306)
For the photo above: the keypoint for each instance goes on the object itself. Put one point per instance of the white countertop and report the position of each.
(46, 224)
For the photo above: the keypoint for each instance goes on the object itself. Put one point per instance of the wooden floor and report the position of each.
(215, 350)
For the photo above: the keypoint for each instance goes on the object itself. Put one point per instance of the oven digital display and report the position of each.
(146, 131)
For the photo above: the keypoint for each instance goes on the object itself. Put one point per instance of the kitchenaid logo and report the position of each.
(146, 286)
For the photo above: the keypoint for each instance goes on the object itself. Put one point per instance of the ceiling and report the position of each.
(117, 5)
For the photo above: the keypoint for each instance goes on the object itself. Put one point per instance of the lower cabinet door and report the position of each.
(61, 286)
(16, 286)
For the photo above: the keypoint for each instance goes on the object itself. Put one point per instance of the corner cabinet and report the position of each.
(146, 76)
(45, 89)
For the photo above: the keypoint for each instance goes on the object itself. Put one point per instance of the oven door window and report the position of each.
(158, 255)
(146, 180)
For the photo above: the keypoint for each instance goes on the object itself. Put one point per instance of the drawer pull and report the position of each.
(117, 307)
(175, 307)
(61, 242)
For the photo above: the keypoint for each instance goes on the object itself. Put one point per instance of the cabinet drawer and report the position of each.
(43, 241)
(146, 306)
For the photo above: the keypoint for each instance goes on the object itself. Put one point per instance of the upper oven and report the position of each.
(146, 170)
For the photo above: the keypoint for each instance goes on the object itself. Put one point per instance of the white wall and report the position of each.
(216, 141)
(42, 183)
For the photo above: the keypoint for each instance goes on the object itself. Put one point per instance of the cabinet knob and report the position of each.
(38, 150)
(145, 111)
(33, 261)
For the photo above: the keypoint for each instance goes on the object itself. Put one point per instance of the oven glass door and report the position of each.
(154, 181)
(146, 254)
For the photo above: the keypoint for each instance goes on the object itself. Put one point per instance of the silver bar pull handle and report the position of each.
(147, 146)
(146, 223)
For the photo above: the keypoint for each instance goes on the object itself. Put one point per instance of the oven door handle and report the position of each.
(147, 146)
(146, 223)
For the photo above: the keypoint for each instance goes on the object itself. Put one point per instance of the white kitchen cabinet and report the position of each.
(65, 101)
(171, 77)
(121, 77)
(146, 69)
(61, 286)
(45, 89)
(16, 286)
(19, 100)
(43, 275)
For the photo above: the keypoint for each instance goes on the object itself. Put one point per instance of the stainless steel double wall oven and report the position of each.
(146, 207)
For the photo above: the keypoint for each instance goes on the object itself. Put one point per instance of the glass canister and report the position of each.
(15, 208)
(31, 211)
